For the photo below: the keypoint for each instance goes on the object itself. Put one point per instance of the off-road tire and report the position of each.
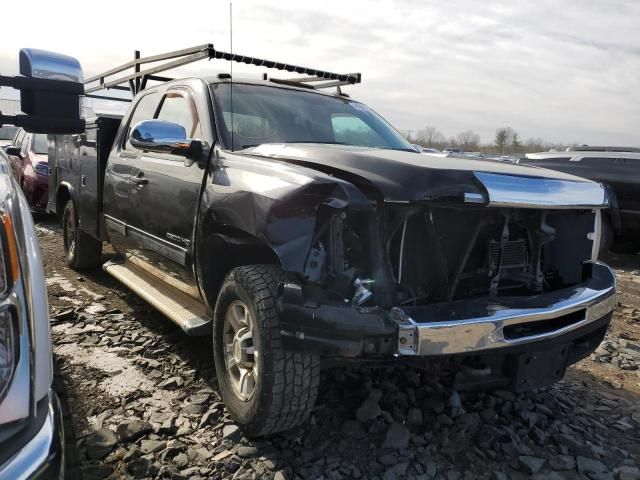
(82, 251)
(287, 383)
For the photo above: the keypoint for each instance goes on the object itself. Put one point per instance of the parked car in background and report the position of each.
(28, 155)
(452, 150)
(6, 136)
(430, 150)
(618, 168)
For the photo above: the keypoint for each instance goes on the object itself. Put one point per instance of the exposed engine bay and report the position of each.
(418, 255)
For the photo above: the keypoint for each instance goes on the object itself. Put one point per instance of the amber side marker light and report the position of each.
(11, 261)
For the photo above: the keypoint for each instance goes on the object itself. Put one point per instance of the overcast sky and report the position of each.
(566, 71)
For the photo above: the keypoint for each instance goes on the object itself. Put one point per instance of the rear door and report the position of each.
(165, 191)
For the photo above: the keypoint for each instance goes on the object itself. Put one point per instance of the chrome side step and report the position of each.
(184, 310)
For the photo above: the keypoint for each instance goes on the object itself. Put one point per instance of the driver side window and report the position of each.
(178, 109)
(145, 110)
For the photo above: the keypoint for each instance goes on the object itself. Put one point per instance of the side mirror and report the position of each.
(164, 137)
(50, 87)
(13, 151)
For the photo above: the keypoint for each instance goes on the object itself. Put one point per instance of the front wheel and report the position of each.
(82, 251)
(266, 388)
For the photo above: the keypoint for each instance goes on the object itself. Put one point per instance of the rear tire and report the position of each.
(280, 386)
(82, 251)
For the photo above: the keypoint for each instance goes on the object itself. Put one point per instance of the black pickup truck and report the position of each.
(617, 169)
(300, 228)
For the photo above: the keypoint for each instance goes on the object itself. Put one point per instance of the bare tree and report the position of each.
(429, 137)
(507, 139)
(515, 140)
(468, 140)
(502, 138)
(535, 145)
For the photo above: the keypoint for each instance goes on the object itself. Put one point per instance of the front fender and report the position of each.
(278, 204)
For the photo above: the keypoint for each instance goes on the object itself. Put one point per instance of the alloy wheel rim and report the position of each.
(70, 236)
(240, 354)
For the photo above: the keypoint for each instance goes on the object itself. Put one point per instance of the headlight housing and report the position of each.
(42, 168)
(8, 350)
(9, 268)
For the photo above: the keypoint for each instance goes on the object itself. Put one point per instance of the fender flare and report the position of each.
(73, 194)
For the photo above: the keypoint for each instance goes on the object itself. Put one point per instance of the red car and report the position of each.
(29, 159)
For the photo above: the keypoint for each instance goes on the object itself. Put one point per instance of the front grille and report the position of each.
(513, 254)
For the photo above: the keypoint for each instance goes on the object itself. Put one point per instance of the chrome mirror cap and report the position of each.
(160, 136)
(36, 63)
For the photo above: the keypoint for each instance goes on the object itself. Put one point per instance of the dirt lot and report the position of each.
(141, 402)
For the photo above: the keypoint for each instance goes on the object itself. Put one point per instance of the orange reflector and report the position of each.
(12, 254)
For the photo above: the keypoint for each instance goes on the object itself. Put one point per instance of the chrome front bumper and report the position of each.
(43, 455)
(470, 326)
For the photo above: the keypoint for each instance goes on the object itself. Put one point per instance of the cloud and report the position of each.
(566, 71)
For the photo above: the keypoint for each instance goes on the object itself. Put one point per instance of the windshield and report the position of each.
(40, 144)
(263, 114)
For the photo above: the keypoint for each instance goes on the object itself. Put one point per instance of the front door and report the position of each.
(116, 201)
(164, 191)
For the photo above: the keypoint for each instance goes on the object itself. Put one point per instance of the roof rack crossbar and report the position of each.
(137, 80)
(302, 79)
(120, 87)
(160, 68)
(336, 83)
(105, 97)
(150, 59)
(259, 62)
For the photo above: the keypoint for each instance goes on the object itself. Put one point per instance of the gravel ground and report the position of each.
(141, 402)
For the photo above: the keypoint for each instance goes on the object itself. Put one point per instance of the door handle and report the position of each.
(139, 179)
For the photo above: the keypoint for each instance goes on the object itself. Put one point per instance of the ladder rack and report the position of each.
(137, 81)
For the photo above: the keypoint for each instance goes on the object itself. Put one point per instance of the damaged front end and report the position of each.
(511, 263)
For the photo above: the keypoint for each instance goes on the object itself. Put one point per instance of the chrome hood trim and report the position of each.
(536, 192)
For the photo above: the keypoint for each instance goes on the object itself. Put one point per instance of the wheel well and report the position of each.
(62, 197)
(224, 249)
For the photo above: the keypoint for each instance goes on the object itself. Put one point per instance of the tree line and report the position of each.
(507, 141)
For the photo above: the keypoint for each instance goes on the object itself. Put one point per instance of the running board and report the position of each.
(184, 310)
